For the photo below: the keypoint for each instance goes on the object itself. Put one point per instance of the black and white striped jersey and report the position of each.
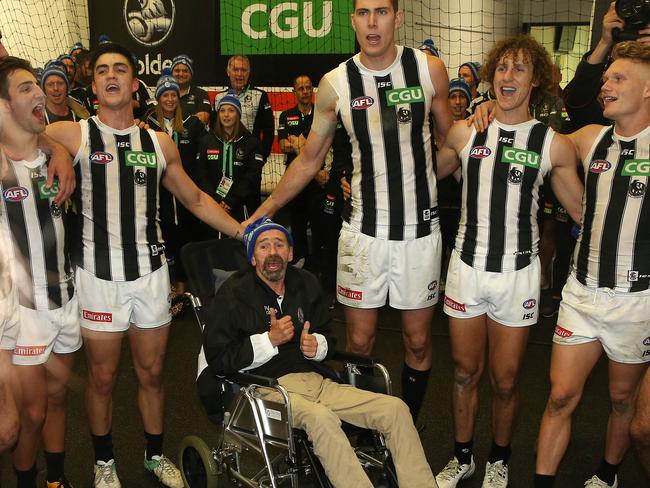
(34, 228)
(613, 249)
(118, 173)
(386, 114)
(502, 170)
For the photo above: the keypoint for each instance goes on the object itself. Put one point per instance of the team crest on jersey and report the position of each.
(140, 177)
(515, 176)
(149, 21)
(15, 194)
(101, 157)
(404, 115)
(480, 152)
(239, 154)
(637, 189)
(599, 166)
(55, 210)
(362, 103)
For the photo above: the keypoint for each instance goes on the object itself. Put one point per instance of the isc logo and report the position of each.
(599, 166)
(101, 157)
(480, 152)
(284, 20)
(15, 194)
(362, 103)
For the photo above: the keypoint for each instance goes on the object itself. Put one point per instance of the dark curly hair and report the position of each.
(8, 65)
(534, 54)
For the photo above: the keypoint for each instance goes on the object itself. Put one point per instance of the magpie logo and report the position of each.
(149, 21)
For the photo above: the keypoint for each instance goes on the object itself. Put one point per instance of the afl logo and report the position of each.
(362, 103)
(646, 341)
(480, 152)
(149, 21)
(530, 303)
(599, 166)
(15, 194)
(100, 157)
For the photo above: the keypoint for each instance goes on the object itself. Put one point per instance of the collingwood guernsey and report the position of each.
(613, 250)
(33, 223)
(386, 114)
(118, 174)
(502, 170)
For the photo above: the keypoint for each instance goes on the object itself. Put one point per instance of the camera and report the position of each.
(635, 14)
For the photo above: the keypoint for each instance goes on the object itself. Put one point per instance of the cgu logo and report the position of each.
(410, 94)
(520, 156)
(15, 194)
(362, 103)
(480, 152)
(140, 158)
(101, 157)
(599, 166)
(636, 167)
(284, 20)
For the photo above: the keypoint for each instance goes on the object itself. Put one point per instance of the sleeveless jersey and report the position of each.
(386, 115)
(502, 170)
(39, 261)
(613, 249)
(118, 173)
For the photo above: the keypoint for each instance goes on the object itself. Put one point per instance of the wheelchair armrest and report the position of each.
(350, 357)
(248, 379)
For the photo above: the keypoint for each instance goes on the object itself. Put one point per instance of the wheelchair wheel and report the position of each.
(198, 466)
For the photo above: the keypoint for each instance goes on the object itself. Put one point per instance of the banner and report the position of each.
(282, 38)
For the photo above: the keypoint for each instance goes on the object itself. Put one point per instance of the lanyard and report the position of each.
(227, 156)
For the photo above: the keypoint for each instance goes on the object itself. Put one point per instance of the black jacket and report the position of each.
(239, 311)
(581, 95)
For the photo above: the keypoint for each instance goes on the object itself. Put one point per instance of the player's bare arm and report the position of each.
(67, 134)
(564, 176)
(447, 155)
(182, 187)
(303, 169)
(443, 119)
(60, 167)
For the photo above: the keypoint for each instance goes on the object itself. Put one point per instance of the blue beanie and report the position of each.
(67, 56)
(460, 85)
(475, 68)
(183, 59)
(103, 39)
(255, 229)
(165, 83)
(76, 46)
(428, 45)
(230, 99)
(53, 69)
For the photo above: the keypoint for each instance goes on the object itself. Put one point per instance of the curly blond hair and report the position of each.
(634, 50)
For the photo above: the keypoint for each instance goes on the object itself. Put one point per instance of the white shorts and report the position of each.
(112, 306)
(509, 298)
(42, 332)
(620, 321)
(369, 268)
(9, 320)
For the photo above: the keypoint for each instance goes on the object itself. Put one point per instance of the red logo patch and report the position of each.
(599, 166)
(351, 294)
(562, 332)
(362, 103)
(29, 350)
(454, 305)
(97, 316)
(214, 151)
(480, 152)
(530, 303)
(101, 157)
(15, 194)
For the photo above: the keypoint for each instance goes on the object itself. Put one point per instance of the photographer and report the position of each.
(582, 92)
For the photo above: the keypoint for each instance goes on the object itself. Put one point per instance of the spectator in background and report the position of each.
(459, 98)
(76, 48)
(229, 163)
(550, 107)
(307, 208)
(429, 48)
(194, 100)
(84, 75)
(470, 71)
(58, 105)
(70, 65)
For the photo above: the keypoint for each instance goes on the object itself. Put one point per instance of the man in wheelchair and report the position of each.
(272, 320)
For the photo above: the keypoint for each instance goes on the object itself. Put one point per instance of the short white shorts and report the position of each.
(509, 298)
(9, 320)
(369, 268)
(43, 332)
(112, 306)
(620, 321)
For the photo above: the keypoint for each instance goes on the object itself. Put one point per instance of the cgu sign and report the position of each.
(286, 27)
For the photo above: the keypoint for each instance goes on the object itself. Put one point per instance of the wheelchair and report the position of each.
(257, 446)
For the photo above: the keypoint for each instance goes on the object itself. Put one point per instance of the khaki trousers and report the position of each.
(318, 406)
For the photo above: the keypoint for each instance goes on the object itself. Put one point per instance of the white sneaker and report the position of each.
(166, 472)
(496, 475)
(106, 475)
(596, 482)
(454, 472)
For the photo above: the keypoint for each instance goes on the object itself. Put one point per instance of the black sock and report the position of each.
(463, 451)
(54, 462)
(499, 453)
(26, 479)
(154, 444)
(414, 387)
(607, 472)
(544, 481)
(103, 445)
